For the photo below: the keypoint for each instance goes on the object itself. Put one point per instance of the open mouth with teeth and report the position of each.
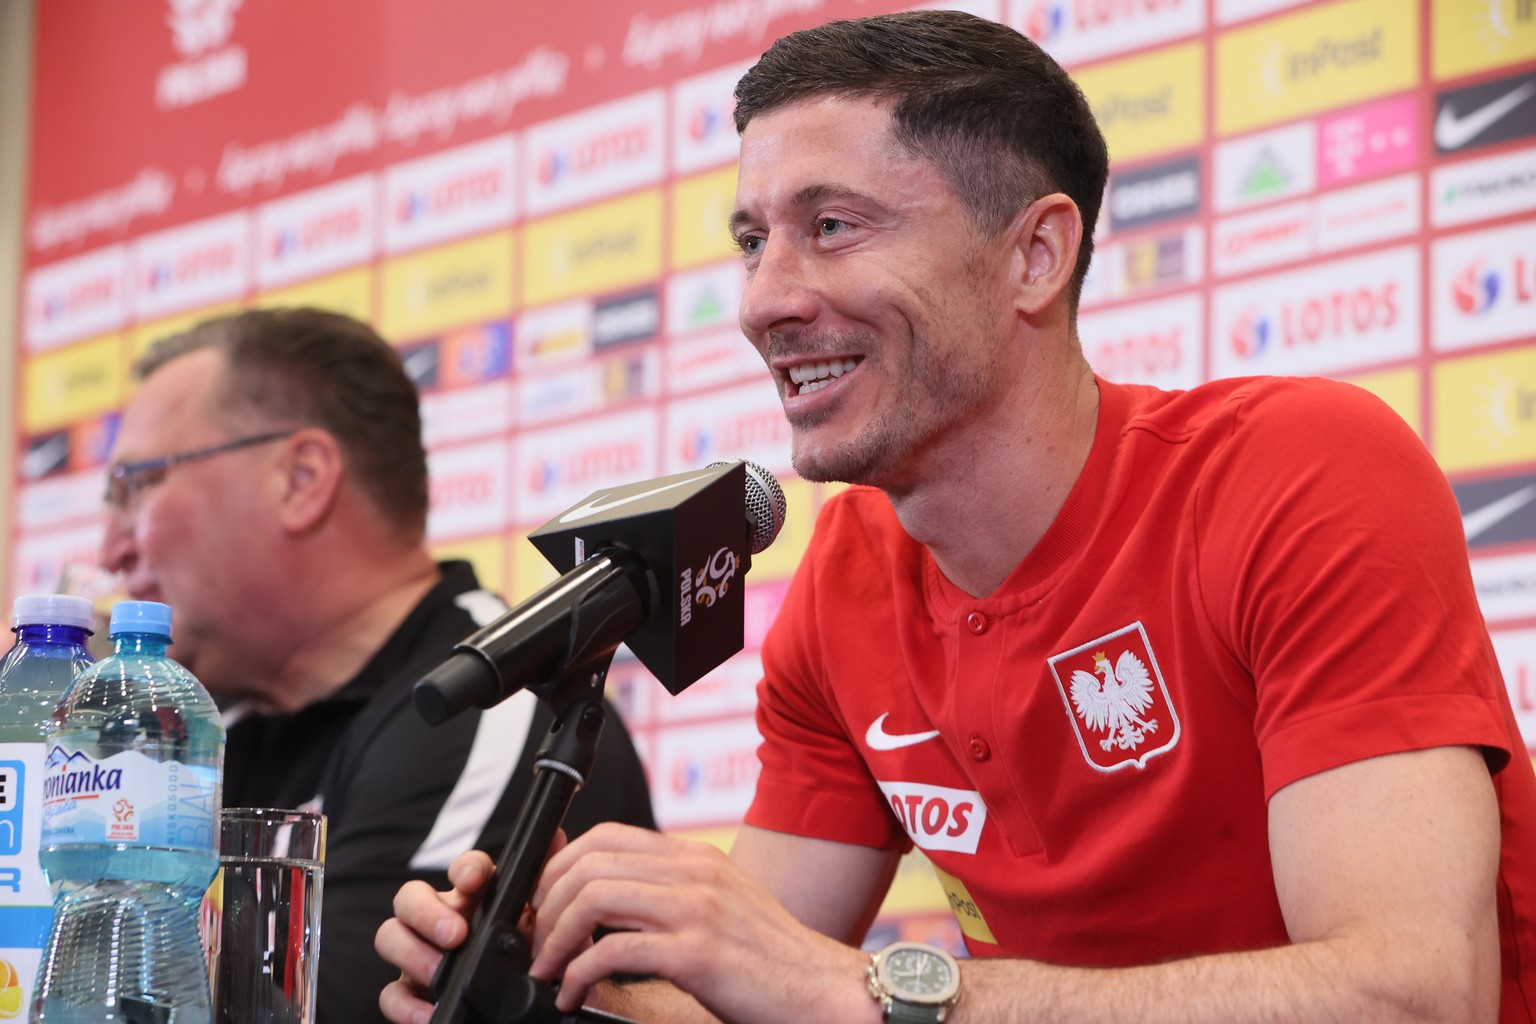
(809, 377)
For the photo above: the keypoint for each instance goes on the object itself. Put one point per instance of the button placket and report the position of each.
(980, 650)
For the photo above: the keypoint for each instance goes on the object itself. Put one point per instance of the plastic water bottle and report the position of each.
(50, 648)
(130, 834)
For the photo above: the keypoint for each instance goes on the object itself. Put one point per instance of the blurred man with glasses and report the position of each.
(269, 483)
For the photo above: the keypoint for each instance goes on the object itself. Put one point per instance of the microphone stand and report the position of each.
(486, 980)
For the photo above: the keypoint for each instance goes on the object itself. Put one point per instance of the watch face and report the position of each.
(916, 972)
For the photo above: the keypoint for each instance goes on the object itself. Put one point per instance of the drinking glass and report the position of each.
(264, 941)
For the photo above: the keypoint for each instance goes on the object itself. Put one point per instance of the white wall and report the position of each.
(15, 109)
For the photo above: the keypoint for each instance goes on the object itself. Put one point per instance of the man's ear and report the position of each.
(1046, 237)
(312, 472)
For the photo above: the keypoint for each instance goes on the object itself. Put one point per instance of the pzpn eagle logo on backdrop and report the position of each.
(210, 65)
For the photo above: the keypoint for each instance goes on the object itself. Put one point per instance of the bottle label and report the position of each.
(128, 798)
(22, 882)
(26, 903)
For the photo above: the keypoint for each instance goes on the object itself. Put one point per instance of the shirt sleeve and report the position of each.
(814, 782)
(1332, 554)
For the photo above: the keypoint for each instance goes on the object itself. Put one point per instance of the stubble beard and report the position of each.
(933, 398)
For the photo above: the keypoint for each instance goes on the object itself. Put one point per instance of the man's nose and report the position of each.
(119, 551)
(781, 291)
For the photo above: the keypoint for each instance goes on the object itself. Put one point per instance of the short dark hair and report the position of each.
(1000, 119)
(310, 367)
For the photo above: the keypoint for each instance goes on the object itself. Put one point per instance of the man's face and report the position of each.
(880, 309)
(192, 537)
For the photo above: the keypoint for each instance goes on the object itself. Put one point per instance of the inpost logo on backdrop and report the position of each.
(1475, 35)
(1484, 410)
(1314, 60)
(1150, 104)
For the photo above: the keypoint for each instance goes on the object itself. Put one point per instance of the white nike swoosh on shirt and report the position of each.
(1480, 520)
(596, 505)
(1453, 131)
(879, 739)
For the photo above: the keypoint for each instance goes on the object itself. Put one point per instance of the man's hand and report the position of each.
(688, 913)
(426, 923)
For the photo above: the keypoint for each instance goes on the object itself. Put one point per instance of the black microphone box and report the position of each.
(690, 531)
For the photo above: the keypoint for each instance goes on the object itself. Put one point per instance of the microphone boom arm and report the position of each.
(486, 980)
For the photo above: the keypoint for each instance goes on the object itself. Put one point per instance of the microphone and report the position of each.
(654, 564)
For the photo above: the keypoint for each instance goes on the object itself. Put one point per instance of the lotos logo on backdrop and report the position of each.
(1325, 318)
(200, 32)
(1480, 289)
(1082, 30)
(322, 228)
(1475, 289)
(715, 771)
(1484, 287)
(1335, 315)
(707, 121)
(541, 476)
(76, 297)
(617, 146)
(751, 430)
(1043, 21)
(79, 296)
(1251, 333)
(411, 205)
(191, 265)
(698, 445)
(470, 188)
(585, 467)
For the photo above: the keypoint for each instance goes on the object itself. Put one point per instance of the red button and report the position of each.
(979, 749)
(976, 623)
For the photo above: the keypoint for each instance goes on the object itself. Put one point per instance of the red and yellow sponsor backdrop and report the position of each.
(530, 201)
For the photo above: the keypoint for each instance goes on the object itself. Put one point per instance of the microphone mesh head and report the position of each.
(765, 506)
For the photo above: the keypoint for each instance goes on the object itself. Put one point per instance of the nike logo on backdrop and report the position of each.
(879, 739)
(1452, 131)
(596, 505)
(1480, 520)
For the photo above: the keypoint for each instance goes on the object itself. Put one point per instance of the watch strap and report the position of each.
(898, 1012)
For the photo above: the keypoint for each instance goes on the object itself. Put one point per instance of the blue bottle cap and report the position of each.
(151, 617)
(53, 610)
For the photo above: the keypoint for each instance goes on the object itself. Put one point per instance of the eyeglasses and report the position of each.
(127, 481)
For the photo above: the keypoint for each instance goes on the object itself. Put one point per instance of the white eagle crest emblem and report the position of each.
(198, 26)
(1119, 709)
(1117, 703)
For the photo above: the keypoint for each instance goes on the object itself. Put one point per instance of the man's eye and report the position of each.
(750, 245)
(830, 225)
(137, 483)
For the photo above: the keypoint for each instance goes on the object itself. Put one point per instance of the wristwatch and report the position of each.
(914, 983)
